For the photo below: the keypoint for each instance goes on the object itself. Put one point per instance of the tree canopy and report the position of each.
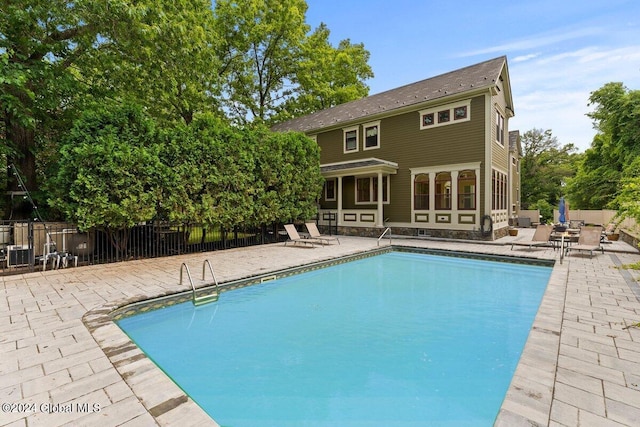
(545, 166)
(244, 62)
(327, 76)
(608, 175)
(273, 69)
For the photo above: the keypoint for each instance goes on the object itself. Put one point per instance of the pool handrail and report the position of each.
(388, 229)
(215, 281)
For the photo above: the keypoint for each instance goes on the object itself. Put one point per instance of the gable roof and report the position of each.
(472, 78)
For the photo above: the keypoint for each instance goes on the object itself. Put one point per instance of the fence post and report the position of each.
(31, 248)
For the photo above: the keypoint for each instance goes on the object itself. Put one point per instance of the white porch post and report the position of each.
(380, 219)
(339, 214)
(454, 197)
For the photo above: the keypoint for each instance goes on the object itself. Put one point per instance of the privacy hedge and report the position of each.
(118, 167)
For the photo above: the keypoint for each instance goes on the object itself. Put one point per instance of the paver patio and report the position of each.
(63, 362)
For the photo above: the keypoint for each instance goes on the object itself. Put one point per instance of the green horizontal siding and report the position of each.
(402, 141)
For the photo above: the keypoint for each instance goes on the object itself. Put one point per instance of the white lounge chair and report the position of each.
(295, 237)
(315, 233)
(540, 238)
(589, 240)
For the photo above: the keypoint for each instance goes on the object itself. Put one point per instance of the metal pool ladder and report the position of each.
(209, 297)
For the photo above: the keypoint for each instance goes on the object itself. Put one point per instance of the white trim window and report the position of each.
(350, 139)
(499, 128)
(445, 115)
(443, 191)
(467, 190)
(367, 190)
(371, 133)
(330, 190)
(499, 184)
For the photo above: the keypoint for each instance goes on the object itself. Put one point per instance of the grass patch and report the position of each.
(212, 235)
(195, 235)
(634, 266)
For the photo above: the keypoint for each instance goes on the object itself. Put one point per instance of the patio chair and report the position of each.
(540, 238)
(576, 223)
(315, 233)
(295, 237)
(589, 240)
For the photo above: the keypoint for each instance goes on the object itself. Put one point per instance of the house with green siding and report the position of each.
(432, 158)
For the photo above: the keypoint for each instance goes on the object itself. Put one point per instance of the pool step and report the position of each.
(204, 299)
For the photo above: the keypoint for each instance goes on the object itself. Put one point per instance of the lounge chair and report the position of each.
(540, 238)
(589, 240)
(315, 234)
(295, 237)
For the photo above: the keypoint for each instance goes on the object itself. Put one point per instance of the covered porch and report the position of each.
(356, 192)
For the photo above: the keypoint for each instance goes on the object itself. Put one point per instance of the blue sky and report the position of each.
(558, 51)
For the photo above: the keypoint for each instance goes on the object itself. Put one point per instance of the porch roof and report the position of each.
(359, 167)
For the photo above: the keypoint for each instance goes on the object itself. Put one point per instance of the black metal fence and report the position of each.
(27, 246)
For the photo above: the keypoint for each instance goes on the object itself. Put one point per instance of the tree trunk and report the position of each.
(23, 141)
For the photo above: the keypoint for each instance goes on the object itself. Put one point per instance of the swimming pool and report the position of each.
(398, 339)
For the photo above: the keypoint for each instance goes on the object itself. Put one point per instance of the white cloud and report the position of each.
(525, 57)
(552, 92)
(536, 41)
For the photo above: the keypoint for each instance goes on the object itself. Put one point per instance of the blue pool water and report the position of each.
(398, 339)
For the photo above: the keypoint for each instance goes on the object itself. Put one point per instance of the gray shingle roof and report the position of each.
(482, 75)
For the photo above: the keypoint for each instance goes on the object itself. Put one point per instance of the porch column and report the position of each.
(339, 214)
(454, 197)
(380, 218)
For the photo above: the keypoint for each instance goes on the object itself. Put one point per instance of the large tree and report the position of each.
(39, 41)
(262, 46)
(58, 57)
(274, 69)
(545, 166)
(163, 57)
(614, 148)
(327, 76)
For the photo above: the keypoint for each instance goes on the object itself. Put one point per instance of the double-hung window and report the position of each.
(330, 190)
(371, 135)
(350, 136)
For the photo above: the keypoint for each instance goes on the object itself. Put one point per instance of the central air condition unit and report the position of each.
(18, 256)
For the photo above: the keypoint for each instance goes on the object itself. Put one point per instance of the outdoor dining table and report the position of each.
(567, 237)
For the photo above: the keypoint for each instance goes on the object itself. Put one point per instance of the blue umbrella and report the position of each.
(562, 208)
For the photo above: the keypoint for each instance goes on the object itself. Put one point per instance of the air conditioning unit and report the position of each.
(18, 256)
